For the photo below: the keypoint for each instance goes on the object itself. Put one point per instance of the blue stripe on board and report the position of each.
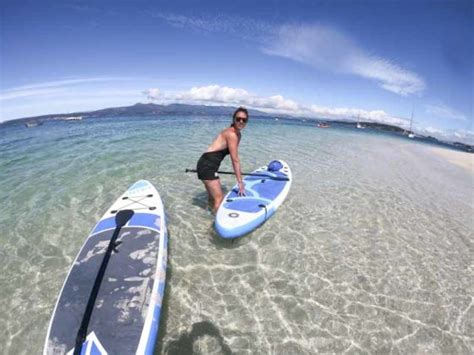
(235, 192)
(107, 223)
(246, 204)
(145, 220)
(150, 346)
(270, 189)
(155, 323)
(138, 220)
(258, 176)
(95, 350)
(139, 185)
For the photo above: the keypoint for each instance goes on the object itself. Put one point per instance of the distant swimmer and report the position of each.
(226, 142)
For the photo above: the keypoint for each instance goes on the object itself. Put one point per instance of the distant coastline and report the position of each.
(151, 109)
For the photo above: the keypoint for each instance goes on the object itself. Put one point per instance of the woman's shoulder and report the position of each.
(229, 132)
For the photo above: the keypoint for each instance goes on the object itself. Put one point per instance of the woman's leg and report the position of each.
(210, 200)
(216, 196)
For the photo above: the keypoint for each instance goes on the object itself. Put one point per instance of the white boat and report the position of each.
(73, 118)
(32, 124)
(410, 132)
(359, 125)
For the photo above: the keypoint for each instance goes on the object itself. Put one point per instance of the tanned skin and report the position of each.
(227, 138)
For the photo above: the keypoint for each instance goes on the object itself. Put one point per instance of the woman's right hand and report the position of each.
(241, 188)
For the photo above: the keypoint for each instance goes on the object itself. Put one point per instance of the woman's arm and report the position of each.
(232, 144)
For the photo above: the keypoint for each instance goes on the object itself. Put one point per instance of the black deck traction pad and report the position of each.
(121, 305)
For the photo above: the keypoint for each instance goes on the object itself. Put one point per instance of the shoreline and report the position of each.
(464, 160)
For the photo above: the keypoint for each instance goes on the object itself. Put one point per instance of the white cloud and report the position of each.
(321, 47)
(215, 94)
(17, 94)
(452, 135)
(379, 116)
(465, 136)
(325, 48)
(445, 112)
(431, 130)
(51, 87)
(245, 28)
(218, 95)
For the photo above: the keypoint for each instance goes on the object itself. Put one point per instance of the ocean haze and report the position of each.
(152, 110)
(371, 252)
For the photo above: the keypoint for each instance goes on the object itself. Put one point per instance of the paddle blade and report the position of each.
(123, 217)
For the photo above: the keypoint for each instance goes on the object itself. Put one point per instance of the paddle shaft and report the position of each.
(121, 219)
(248, 174)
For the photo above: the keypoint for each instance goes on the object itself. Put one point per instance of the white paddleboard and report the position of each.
(126, 313)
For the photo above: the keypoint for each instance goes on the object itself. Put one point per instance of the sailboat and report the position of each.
(410, 132)
(359, 124)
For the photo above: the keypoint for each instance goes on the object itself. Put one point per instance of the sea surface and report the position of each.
(372, 251)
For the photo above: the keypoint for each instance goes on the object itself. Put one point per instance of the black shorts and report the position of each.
(208, 165)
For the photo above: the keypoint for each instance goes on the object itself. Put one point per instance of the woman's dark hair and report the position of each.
(240, 109)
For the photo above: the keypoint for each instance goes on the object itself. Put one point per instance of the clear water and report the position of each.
(371, 252)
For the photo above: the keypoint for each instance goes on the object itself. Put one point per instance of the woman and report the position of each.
(227, 142)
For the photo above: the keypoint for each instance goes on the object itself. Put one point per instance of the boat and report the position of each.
(73, 118)
(323, 125)
(359, 125)
(32, 124)
(410, 133)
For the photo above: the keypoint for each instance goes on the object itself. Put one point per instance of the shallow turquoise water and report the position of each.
(371, 252)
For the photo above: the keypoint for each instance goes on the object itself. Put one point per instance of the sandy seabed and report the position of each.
(462, 159)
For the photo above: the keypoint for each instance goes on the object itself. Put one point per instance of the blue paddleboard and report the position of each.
(266, 189)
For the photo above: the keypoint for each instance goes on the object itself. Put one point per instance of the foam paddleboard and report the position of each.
(126, 312)
(266, 189)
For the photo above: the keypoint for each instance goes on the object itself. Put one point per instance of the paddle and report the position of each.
(121, 219)
(249, 174)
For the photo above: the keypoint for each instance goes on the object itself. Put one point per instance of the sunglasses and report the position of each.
(241, 119)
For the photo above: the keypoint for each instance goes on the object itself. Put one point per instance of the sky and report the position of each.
(379, 61)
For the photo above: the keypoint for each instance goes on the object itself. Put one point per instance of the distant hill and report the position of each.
(151, 109)
(140, 109)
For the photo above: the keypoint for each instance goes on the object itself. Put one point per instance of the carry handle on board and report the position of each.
(121, 219)
(248, 174)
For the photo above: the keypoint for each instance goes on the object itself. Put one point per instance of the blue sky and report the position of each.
(376, 60)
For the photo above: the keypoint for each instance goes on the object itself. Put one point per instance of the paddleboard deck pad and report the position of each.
(265, 190)
(126, 313)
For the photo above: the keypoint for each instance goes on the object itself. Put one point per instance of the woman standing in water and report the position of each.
(227, 142)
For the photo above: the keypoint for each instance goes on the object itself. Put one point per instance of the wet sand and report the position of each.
(462, 159)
